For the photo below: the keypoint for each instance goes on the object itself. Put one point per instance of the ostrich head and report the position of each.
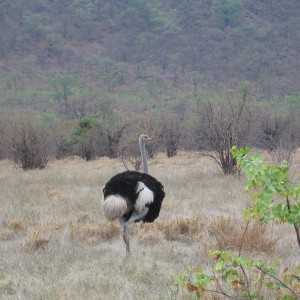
(144, 138)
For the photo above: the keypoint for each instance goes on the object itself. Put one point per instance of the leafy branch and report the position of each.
(238, 277)
(276, 197)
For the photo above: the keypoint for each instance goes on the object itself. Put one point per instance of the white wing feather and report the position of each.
(145, 197)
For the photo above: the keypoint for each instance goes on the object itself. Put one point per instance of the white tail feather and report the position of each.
(114, 207)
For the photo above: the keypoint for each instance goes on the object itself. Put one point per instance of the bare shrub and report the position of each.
(172, 137)
(278, 134)
(30, 146)
(221, 126)
(4, 144)
(229, 233)
(113, 137)
(129, 150)
(283, 153)
(164, 134)
(131, 155)
(87, 148)
(59, 133)
(272, 129)
(62, 147)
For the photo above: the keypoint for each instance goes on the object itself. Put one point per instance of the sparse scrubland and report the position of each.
(83, 79)
(56, 244)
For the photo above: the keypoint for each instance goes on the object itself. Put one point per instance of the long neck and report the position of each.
(144, 156)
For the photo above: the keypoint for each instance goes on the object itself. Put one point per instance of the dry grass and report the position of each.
(92, 232)
(34, 241)
(14, 224)
(183, 229)
(56, 244)
(6, 234)
(149, 235)
(231, 234)
(11, 228)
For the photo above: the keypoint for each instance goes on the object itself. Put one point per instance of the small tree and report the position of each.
(228, 11)
(172, 137)
(63, 90)
(113, 138)
(84, 15)
(88, 138)
(220, 127)
(131, 154)
(54, 45)
(276, 197)
(4, 140)
(272, 130)
(278, 134)
(30, 146)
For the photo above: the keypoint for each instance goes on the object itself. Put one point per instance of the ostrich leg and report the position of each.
(126, 238)
(134, 217)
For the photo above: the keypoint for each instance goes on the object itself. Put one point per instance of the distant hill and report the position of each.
(136, 55)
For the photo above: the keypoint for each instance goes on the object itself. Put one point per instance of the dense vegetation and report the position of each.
(130, 60)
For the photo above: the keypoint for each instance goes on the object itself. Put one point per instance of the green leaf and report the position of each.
(219, 266)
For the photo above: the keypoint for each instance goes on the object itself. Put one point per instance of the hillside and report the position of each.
(140, 55)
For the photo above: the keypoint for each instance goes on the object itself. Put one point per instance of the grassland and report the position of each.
(56, 244)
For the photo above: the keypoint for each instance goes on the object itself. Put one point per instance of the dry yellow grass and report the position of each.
(34, 241)
(231, 234)
(14, 224)
(6, 234)
(92, 232)
(183, 229)
(56, 244)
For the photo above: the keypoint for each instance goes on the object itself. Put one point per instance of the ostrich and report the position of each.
(132, 196)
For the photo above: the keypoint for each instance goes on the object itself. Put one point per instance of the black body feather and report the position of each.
(125, 184)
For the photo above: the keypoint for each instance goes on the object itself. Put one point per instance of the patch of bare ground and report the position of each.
(56, 244)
